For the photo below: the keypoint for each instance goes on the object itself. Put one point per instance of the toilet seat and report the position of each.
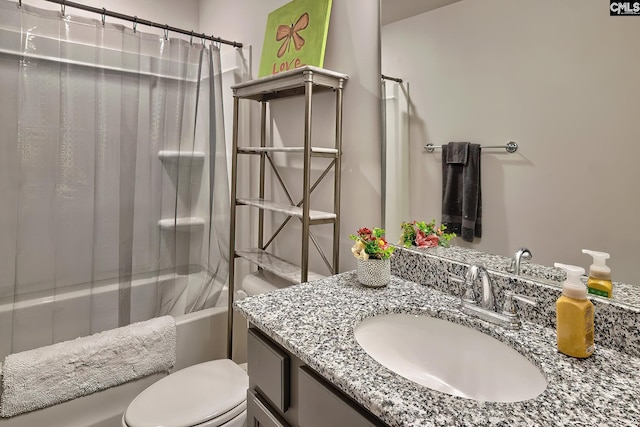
(207, 394)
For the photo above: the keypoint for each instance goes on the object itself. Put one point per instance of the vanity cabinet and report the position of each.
(283, 391)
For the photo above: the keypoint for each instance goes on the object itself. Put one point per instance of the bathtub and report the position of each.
(39, 318)
(201, 336)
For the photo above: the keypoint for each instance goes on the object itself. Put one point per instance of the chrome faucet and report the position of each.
(521, 254)
(485, 306)
(487, 299)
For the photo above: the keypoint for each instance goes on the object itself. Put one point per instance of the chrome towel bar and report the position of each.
(510, 147)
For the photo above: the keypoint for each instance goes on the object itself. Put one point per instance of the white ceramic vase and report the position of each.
(374, 273)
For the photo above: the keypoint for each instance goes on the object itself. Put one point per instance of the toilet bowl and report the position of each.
(208, 394)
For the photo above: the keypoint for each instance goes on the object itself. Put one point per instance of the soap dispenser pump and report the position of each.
(599, 282)
(574, 315)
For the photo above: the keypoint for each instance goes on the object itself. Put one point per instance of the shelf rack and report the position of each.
(304, 81)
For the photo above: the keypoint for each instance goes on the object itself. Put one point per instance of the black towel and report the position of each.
(456, 153)
(461, 195)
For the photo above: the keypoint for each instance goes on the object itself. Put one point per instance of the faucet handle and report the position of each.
(509, 308)
(468, 296)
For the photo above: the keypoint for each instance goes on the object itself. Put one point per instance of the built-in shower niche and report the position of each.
(182, 224)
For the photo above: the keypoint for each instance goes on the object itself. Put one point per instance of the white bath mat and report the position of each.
(56, 373)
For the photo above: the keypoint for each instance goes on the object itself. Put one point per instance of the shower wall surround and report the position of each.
(617, 326)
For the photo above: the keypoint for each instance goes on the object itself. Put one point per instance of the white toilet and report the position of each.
(208, 394)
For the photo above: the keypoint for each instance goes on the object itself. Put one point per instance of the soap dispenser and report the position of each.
(599, 282)
(574, 315)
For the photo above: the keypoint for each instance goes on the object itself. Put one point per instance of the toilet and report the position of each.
(208, 394)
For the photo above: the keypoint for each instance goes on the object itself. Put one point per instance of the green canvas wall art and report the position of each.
(296, 35)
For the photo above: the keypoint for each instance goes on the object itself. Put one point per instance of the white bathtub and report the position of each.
(43, 318)
(201, 336)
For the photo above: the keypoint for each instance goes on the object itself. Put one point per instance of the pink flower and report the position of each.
(424, 241)
(383, 243)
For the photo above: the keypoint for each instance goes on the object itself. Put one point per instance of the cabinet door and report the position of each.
(268, 367)
(320, 405)
(259, 414)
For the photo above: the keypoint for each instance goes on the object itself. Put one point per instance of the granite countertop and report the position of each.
(315, 322)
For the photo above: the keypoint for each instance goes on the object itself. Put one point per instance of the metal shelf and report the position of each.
(316, 217)
(315, 151)
(275, 265)
(289, 83)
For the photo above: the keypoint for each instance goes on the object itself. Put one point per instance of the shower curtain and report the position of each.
(112, 171)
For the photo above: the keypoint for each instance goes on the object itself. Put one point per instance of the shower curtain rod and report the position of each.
(104, 12)
(395, 79)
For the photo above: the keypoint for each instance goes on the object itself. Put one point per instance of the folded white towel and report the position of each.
(56, 373)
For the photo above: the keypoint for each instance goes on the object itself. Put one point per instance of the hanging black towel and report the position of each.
(456, 153)
(461, 195)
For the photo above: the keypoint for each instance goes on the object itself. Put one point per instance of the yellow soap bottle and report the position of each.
(574, 315)
(599, 282)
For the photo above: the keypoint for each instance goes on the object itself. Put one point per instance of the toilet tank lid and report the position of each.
(190, 396)
(261, 282)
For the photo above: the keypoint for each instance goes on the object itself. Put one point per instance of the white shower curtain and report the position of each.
(107, 136)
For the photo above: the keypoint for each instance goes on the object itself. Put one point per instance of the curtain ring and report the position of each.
(191, 38)
(203, 39)
(135, 23)
(19, 4)
(166, 31)
(104, 16)
(63, 7)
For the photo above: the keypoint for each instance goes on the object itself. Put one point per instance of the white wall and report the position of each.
(181, 14)
(353, 49)
(559, 78)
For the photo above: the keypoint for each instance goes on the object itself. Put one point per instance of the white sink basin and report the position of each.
(450, 358)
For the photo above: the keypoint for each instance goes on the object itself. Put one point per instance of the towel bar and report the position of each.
(510, 147)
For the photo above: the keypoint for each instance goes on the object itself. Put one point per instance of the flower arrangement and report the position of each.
(371, 244)
(424, 235)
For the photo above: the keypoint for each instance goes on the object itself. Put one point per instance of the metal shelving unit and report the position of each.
(305, 81)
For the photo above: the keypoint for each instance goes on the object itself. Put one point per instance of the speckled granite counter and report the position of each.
(315, 322)
(617, 325)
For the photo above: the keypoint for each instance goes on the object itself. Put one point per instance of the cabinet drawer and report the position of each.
(258, 413)
(268, 368)
(320, 405)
